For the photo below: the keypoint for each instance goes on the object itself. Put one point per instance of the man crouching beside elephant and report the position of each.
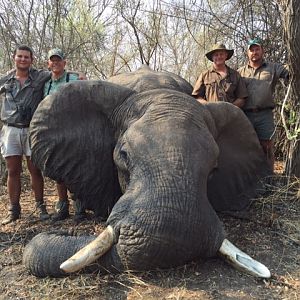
(175, 161)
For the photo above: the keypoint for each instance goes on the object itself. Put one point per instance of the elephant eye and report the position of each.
(123, 155)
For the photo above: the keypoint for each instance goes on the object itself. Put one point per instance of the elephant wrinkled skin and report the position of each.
(142, 151)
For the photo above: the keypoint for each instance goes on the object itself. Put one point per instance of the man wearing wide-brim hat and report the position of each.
(220, 82)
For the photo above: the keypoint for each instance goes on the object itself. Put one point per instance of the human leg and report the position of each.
(268, 148)
(37, 184)
(14, 169)
(79, 209)
(11, 150)
(62, 205)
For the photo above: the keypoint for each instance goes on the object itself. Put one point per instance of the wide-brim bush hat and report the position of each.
(217, 47)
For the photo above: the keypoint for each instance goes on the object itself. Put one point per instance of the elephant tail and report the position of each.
(44, 254)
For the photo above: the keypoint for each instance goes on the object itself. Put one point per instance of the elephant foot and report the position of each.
(242, 261)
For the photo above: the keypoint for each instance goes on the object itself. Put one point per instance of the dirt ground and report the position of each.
(270, 233)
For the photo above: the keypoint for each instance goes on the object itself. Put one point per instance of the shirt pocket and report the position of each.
(211, 84)
(230, 88)
(266, 76)
(9, 91)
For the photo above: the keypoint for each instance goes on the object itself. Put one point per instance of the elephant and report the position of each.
(141, 151)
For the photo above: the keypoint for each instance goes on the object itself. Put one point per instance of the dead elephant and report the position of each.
(176, 162)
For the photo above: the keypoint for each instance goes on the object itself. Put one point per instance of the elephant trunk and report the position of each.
(44, 254)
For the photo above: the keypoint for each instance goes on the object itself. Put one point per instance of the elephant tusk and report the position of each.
(242, 261)
(90, 252)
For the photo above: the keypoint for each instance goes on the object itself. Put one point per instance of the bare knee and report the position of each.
(14, 166)
(35, 172)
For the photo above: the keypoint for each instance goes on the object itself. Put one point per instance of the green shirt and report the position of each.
(212, 87)
(53, 84)
(261, 83)
(20, 102)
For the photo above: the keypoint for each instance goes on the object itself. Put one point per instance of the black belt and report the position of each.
(16, 125)
(255, 110)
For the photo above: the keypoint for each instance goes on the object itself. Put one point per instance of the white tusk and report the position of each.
(242, 261)
(90, 252)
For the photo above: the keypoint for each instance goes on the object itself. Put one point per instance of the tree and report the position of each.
(291, 17)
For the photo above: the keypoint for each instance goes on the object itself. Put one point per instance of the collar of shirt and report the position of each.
(61, 78)
(263, 64)
(13, 75)
(212, 69)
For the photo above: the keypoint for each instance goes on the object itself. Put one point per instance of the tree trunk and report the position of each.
(291, 10)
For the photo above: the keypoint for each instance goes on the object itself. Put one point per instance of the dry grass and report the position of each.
(270, 233)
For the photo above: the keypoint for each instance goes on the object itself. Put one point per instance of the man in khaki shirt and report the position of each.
(261, 78)
(220, 82)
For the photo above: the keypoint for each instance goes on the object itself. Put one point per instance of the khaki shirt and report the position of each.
(20, 102)
(261, 83)
(213, 87)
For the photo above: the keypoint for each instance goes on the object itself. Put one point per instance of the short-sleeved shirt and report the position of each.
(53, 84)
(20, 102)
(261, 84)
(213, 87)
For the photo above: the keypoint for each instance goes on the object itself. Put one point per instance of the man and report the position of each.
(23, 91)
(59, 76)
(220, 82)
(261, 77)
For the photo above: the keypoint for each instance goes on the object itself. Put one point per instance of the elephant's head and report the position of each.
(175, 161)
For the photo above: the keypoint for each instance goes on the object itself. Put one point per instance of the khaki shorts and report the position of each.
(14, 141)
(263, 123)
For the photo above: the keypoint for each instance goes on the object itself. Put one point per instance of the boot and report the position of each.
(14, 213)
(80, 213)
(62, 209)
(42, 211)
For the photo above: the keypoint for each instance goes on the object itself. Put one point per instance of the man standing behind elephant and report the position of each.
(220, 82)
(261, 78)
(59, 76)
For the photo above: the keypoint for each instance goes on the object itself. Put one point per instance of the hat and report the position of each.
(56, 52)
(256, 41)
(217, 47)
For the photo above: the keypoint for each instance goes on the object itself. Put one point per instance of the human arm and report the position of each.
(241, 92)
(283, 73)
(199, 90)
(80, 75)
(239, 102)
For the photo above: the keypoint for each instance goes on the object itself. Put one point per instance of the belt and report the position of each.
(255, 110)
(16, 125)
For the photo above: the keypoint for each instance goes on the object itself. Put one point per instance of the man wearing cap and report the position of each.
(261, 77)
(220, 82)
(59, 76)
(23, 91)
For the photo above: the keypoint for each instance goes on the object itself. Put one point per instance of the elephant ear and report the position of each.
(145, 79)
(72, 140)
(241, 163)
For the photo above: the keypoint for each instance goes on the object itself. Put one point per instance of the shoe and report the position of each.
(42, 211)
(62, 208)
(80, 213)
(79, 217)
(14, 213)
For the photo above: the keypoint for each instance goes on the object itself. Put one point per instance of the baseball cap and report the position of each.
(56, 52)
(256, 41)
